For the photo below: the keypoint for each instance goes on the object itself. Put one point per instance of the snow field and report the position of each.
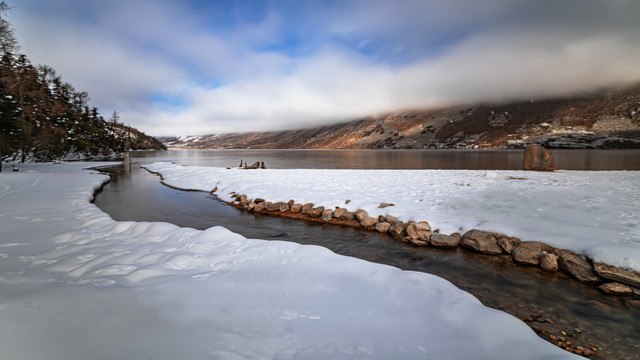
(75, 284)
(594, 213)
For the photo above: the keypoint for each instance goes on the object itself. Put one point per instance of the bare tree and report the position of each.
(8, 42)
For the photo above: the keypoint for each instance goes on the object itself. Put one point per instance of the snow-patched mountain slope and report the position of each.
(608, 118)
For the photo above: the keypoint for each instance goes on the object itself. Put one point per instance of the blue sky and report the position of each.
(202, 67)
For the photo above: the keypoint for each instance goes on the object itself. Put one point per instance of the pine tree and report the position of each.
(44, 118)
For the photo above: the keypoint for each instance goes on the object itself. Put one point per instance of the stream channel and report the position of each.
(551, 303)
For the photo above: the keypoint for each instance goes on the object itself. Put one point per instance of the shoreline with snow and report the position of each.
(588, 212)
(77, 284)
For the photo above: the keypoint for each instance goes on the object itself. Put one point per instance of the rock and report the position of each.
(482, 241)
(327, 215)
(391, 219)
(575, 265)
(617, 274)
(445, 241)
(283, 206)
(337, 213)
(537, 158)
(368, 221)
(384, 205)
(417, 242)
(316, 212)
(269, 206)
(383, 227)
(419, 231)
(397, 229)
(361, 214)
(251, 206)
(258, 200)
(528, 252)
(616, 289)
(291, 202)
(244, 200)
(381, 218)
(306, 208)
(296, 208)
(259, 206)
(549, 262)
(508, 243)
(347, 202)
(272, 206)
(349, 216)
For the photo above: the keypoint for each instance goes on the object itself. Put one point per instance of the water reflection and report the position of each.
(396, 159)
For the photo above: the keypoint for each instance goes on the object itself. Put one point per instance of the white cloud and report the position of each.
(337, 86)
(424, 54)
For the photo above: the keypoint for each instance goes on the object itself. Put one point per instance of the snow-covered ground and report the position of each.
(595, 213)
(75, 284)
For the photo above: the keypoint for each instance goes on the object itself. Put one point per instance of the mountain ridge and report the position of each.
(607, 118)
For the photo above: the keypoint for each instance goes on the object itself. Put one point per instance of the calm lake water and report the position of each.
(395, 159)
(134, 194)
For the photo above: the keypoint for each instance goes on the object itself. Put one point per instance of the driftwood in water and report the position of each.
(256, 165)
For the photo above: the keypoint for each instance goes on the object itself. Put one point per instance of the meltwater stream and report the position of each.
(607, 322)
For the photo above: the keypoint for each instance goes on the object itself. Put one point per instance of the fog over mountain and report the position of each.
(202, 67)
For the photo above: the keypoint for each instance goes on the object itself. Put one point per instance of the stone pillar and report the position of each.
(537, 158)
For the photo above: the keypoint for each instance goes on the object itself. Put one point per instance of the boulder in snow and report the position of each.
(361, 214)
(617, 274)
(445, 241)
(549, 262)
(383, 227)
(283, 206)
(316, 212)
(368, 221)
(577, 266)
(508, 243)
(419, 231)
(306, 208)
(327, 215)
(337, 213)
(482, 241)
(384, 205)
(269, 206)
(397, 229)
(391, 219)
(528, 252)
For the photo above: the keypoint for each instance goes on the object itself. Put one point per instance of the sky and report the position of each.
(194, 67)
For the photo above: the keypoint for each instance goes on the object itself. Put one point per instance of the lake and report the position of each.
(134, 194)
(395, 159)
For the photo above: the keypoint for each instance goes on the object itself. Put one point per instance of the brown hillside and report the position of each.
(605, 119)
